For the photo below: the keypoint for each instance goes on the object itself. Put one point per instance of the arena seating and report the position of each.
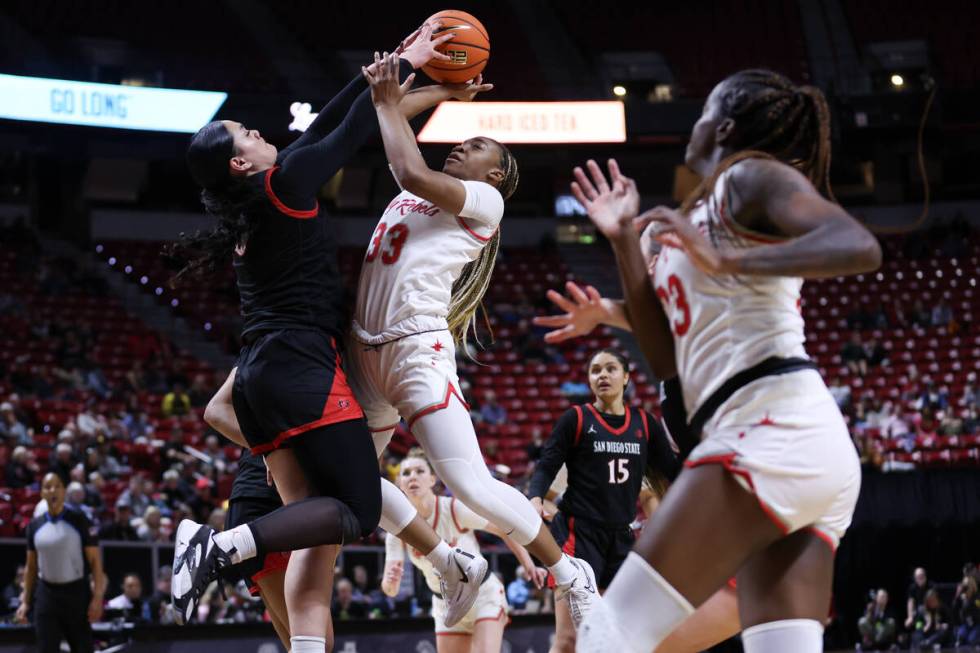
(530, 391)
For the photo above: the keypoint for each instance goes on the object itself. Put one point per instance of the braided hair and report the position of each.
(471, 286)
(774, 119)
(232, 200)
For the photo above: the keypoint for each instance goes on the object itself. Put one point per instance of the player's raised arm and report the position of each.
(407, 164)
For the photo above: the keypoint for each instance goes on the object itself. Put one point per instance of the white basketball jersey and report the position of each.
(727, 323)
(454, 523)
(416, 253)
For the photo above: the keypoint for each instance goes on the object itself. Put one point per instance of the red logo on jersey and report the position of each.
(438, 346)
(343, 404)
(408, 204)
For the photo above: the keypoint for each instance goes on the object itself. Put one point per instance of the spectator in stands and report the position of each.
(518, 590)
(135, 379)
(120, 527)
(898, 319)
(372, 597)
(927, 424)
(970, 395)
(216, 519)
(174, 490)
(63, 461)
(859, 318)
(202, 503)
(91, 424)
(931, 624)
(75, 500)
(491, 411)
(854, 356)
(933, 397)
(212, 448)
(93, 491)
(875, 353)
(22, 470)
(877, 626)
(536, 445)
(96, 381)
(942, 314)
(344, 606)
(176, 402)
(840, 393)
(10, 598)
(916, 595)
(971, 420)
(149, 528)
(200, 391)
(135, 496)
(173, 449)
(966, 607)
(129, 605)
(920, 317)
(11, 429)
(879, 318)
(160, 603)
(950, 423)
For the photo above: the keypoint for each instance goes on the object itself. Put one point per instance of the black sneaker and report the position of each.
(197, 561)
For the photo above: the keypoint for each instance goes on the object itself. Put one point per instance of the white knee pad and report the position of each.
(397, 511)
(797, 635)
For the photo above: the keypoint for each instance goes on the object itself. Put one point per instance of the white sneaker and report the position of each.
(461, 585)
(582, 593)
(197, 560)
(599, 633)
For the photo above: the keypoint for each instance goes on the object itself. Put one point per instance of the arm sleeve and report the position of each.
(484, 204)
(304, 169)
(661, 456)
(394, 549)
(464, 518)
(331, 114)
(554, 454)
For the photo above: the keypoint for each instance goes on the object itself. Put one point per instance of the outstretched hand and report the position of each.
(466, 91)
(611, 207)
(382, 76)
(584, 311)
(419, 48)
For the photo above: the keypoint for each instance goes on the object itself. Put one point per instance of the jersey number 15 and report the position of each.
(619, 471)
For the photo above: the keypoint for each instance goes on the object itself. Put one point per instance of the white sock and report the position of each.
(648, 608)
(797, 635)
(397, 511)
(563, 570)
(307, 644)
(239, 539)
(439, 557)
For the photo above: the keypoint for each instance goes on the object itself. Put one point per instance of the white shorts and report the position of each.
(490, 605)
(784, 439)
(408, 378)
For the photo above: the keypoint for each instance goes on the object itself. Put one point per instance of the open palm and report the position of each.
(610, 207)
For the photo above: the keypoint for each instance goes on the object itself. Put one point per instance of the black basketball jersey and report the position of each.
(250, 481)
(607, 456)
(288, 274)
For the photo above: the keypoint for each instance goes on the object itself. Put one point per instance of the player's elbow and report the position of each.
(869, 253)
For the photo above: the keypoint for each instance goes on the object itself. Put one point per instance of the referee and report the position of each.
(62, 555)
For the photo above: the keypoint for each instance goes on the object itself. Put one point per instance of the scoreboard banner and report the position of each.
(68, 102)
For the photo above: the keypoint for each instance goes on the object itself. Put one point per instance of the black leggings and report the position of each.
(340, 463)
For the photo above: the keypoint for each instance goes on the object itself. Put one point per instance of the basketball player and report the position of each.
(290, 393)
(772, 486)
(482, 628)
(424, 275)
(607, 447)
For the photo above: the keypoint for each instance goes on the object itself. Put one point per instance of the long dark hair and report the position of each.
(774, 119)
(230, 199)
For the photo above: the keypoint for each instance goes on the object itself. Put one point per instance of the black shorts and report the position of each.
(289, 381)
(241, 511)
(602, 547)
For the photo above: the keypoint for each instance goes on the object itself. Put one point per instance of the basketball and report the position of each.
(469, 50)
